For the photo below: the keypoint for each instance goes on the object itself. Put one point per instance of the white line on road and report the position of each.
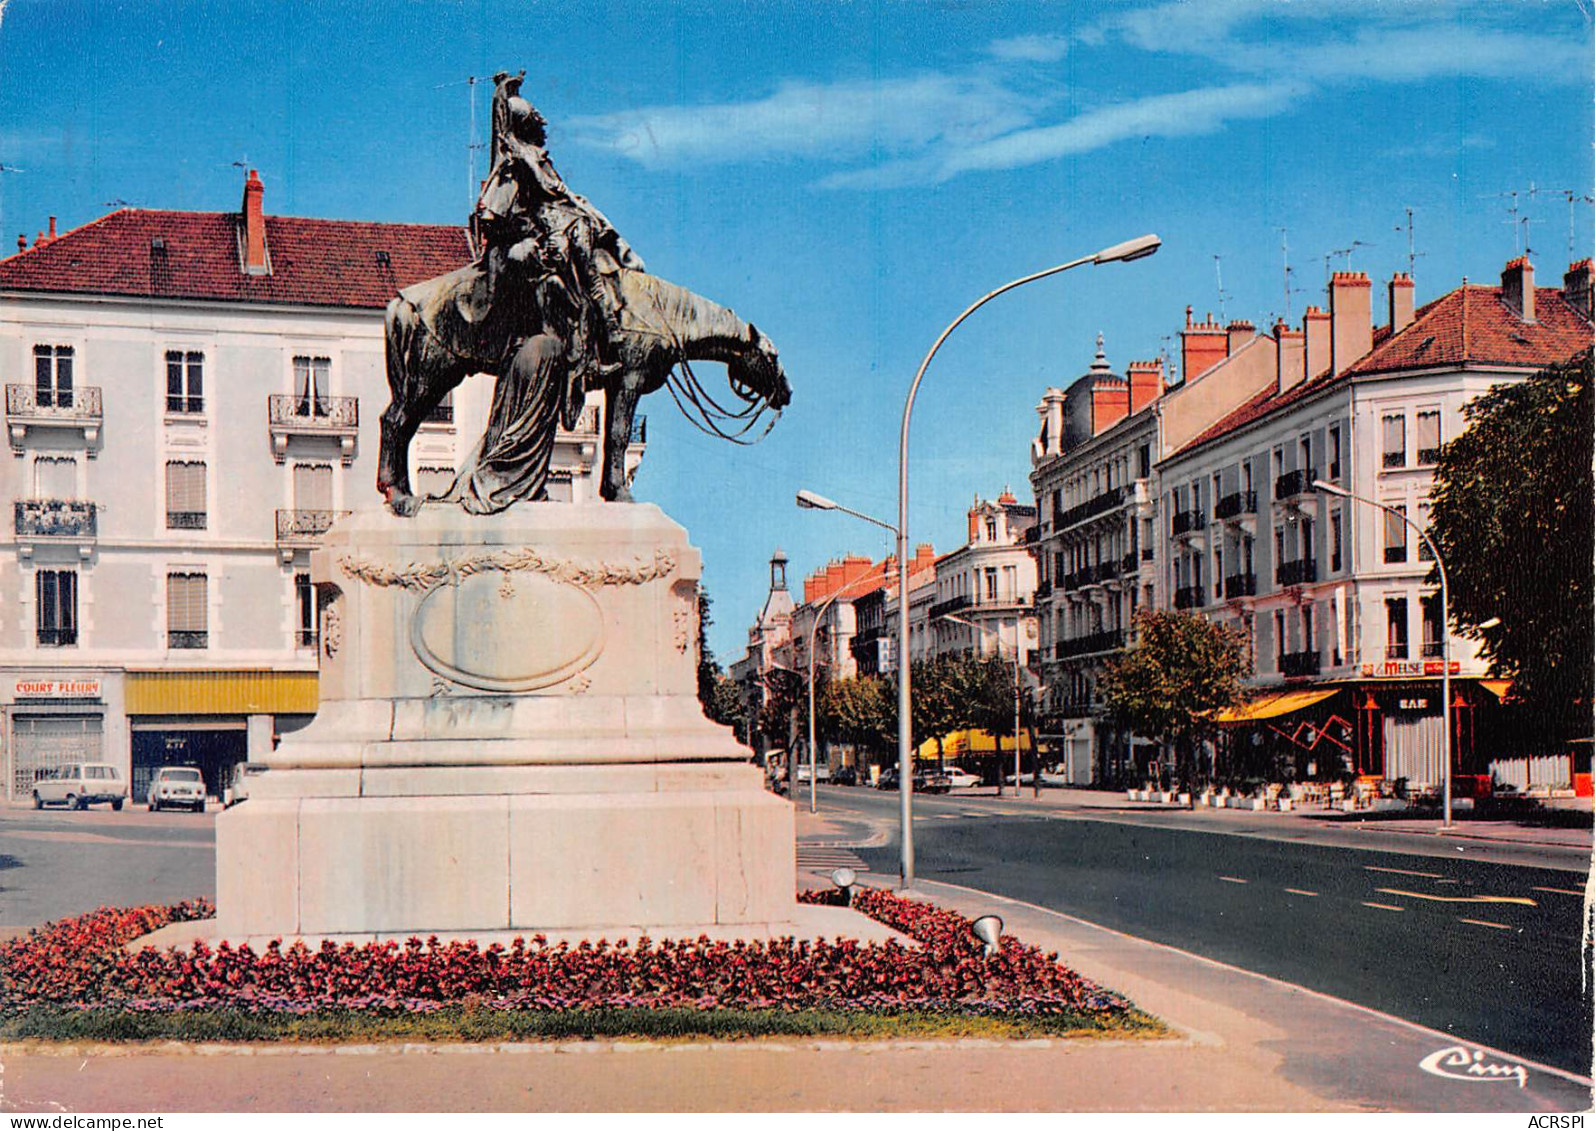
(1383, 906)
(1520, 899)
(1401, 872)
(1485, 923)
(1299, 891)
(1234, 880)
(1558, 891)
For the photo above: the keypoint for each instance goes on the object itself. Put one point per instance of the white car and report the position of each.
(177, 786)
(78, 785)
(962, 779)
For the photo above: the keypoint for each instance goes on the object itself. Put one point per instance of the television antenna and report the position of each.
(1413, 254)
(472, 146)
(1345, 251)
(1574, 199)
(1284, 255)
(1513, 213)
(1218, 270)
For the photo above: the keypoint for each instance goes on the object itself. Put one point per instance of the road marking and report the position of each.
(1402, 872)
(1299, 891)
(1522, 899)
(1234, 880)
(1558, 891)
(1382, 906)
(1485, 923)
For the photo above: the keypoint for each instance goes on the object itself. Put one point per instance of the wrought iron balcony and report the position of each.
(185, 520)
(1297, 572)
(306, 637)
(1107, 569)
(1091, 508)
(1188, 597)
(1294, 483)
(303, 528)
(57, 637)
(1043, 590)
(1433, 649)
(176, 638)
(1087, 645)
(55, 518)
(306, 415)
(1147, 553)
(1240, 585)
(1188, 522)
(951, 605)
(1296, 664)
(1428, 455)
(1236, 504)
(1394, 460)
(1128, 563)
(29, 406)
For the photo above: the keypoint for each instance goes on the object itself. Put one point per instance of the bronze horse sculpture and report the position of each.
(437, 336)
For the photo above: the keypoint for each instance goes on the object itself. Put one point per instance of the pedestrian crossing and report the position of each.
(827, 857)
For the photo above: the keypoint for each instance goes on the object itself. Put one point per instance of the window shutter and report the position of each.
(185, 602)
(56, 478)
(185, 488)
(312, 487)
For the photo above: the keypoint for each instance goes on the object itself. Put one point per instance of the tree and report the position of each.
(861, 711)
(725, 705)
(1512, 518)
(1181, 671)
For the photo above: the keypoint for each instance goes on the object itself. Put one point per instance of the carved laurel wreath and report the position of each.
(422, 576)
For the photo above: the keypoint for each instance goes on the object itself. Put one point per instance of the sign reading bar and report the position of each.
(1405, 668)
(58, 689)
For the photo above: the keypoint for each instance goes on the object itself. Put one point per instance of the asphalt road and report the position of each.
(1487, 951)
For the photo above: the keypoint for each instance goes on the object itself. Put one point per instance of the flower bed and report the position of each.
(83, 964)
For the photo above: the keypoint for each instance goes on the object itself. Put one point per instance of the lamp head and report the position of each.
(1138, 248)
(1330, 489)
(844, 879)
(988, 929)
(808, 500)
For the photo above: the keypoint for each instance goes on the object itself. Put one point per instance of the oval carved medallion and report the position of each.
(507, 632)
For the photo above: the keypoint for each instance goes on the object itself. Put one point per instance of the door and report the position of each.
(41, 744)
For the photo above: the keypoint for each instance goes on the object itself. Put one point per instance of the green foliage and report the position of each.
(1182, 670)
(861, 711)
(1511, 515)
(725, 704)
(785, 695)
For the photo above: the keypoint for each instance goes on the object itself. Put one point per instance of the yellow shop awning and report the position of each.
(962, 742)
(1272, 705)
(1500, 688)
(221, 693)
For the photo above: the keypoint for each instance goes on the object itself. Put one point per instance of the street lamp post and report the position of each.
(1017, 692)
(1137, 248)
(1445, 636)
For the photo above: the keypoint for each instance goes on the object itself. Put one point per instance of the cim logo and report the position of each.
(1459, 1063)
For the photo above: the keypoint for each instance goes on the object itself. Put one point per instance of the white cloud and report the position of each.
(1029, 48)
(803, 119)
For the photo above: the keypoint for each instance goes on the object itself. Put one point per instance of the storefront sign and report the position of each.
(1405, 669)
(57, 689)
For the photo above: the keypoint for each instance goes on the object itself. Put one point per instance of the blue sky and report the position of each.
(850, 176)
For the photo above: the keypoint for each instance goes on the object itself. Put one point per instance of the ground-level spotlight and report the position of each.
(844, 879)
(988, 929)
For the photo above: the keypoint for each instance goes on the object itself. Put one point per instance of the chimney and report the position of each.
(1289, 361)
(1110, 403)
(974, 521)
(22, 241)
(1400, 302)
(1315, 342)
(1517, 287)
(1239, 332)
(1146, 383)
(51, 237)
(1202, 346)
(1576, 287)
(1350, 317)
(254, 234)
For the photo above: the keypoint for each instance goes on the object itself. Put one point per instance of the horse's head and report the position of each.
(759, 372)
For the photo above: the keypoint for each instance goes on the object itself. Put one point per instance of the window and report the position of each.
(1335, 537)
(991, 530)
(186, 610)
(185, 496)
(1395, 535)
(1247, 544)
(991, 584)
(1308, 624)
(56, 592)
(1395, 441)
(1279, 639)
(312, 487)
(310, 385)
(1334, 451)
(1218, 572)
(52, 376)
(1429, 436)
(1143, 461)
(432, 481)
(1277, 460)
(185, 381)
(55, 478)
(1304, 448)
(1395, 628)
(1432, 642)
(305, 599)
(1309, 549)
(1424, 553)
(1246, 475)
(1279, 546)
(1218, 487)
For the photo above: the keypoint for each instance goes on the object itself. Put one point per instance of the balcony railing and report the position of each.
(1188, 597)
(1428, 455)
(306, 637)
(1293, 483)
(1394, 460)
(1395, 554)
(1396, 651)
(57, 637)
(1236, 504)
(1294, 664)
(1107, 570)
(1129, 562)
(1240, 585)
(1094, 642)
(29, 406)
(185, 520)
(1298, 572)
(55, 518)
(1188, 522)
(305, 415)
(187, 638)
(951, 605)
(1097, 504)
(1146, 553)
(1433, 649)
(1043, 590)
(1079, 578)
(305, 525)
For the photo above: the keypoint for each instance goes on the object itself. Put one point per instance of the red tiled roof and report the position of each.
(1471, 324)
(313, 262)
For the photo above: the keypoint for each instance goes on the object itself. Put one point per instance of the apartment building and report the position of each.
(192, 399)
(1333, 594)
(985, 589)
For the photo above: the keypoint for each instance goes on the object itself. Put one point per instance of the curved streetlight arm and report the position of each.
(1445, 629)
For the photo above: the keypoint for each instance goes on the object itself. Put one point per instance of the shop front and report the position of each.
(51, 721)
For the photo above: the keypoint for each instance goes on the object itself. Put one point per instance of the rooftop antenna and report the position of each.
(1346, 251)
(1512, 214)
(1218, 270)
(1284, 255)
(1413, 254)
(1573, 200)
(473, 187)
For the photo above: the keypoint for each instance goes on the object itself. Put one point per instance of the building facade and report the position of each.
(192, 399)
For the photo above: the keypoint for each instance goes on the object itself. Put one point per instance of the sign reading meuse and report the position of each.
(58, 689)
(1404, 668)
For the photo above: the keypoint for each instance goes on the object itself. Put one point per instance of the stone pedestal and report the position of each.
(509, 738)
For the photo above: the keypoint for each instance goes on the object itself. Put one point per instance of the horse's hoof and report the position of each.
(405, 506)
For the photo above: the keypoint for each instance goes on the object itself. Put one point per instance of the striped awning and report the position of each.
(221, 693)
(1272, 705)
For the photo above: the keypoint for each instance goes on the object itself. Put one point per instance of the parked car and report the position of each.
(888, 778)
(78, 785)
(961, 778)
(182, 786)
(822, 772)
(925, 781)
(847, 775)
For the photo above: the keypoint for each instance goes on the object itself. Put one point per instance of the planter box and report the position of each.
(1185, 799)
(1259, 804)
(1286, 805)
(1166, 797)
(1130, 794)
